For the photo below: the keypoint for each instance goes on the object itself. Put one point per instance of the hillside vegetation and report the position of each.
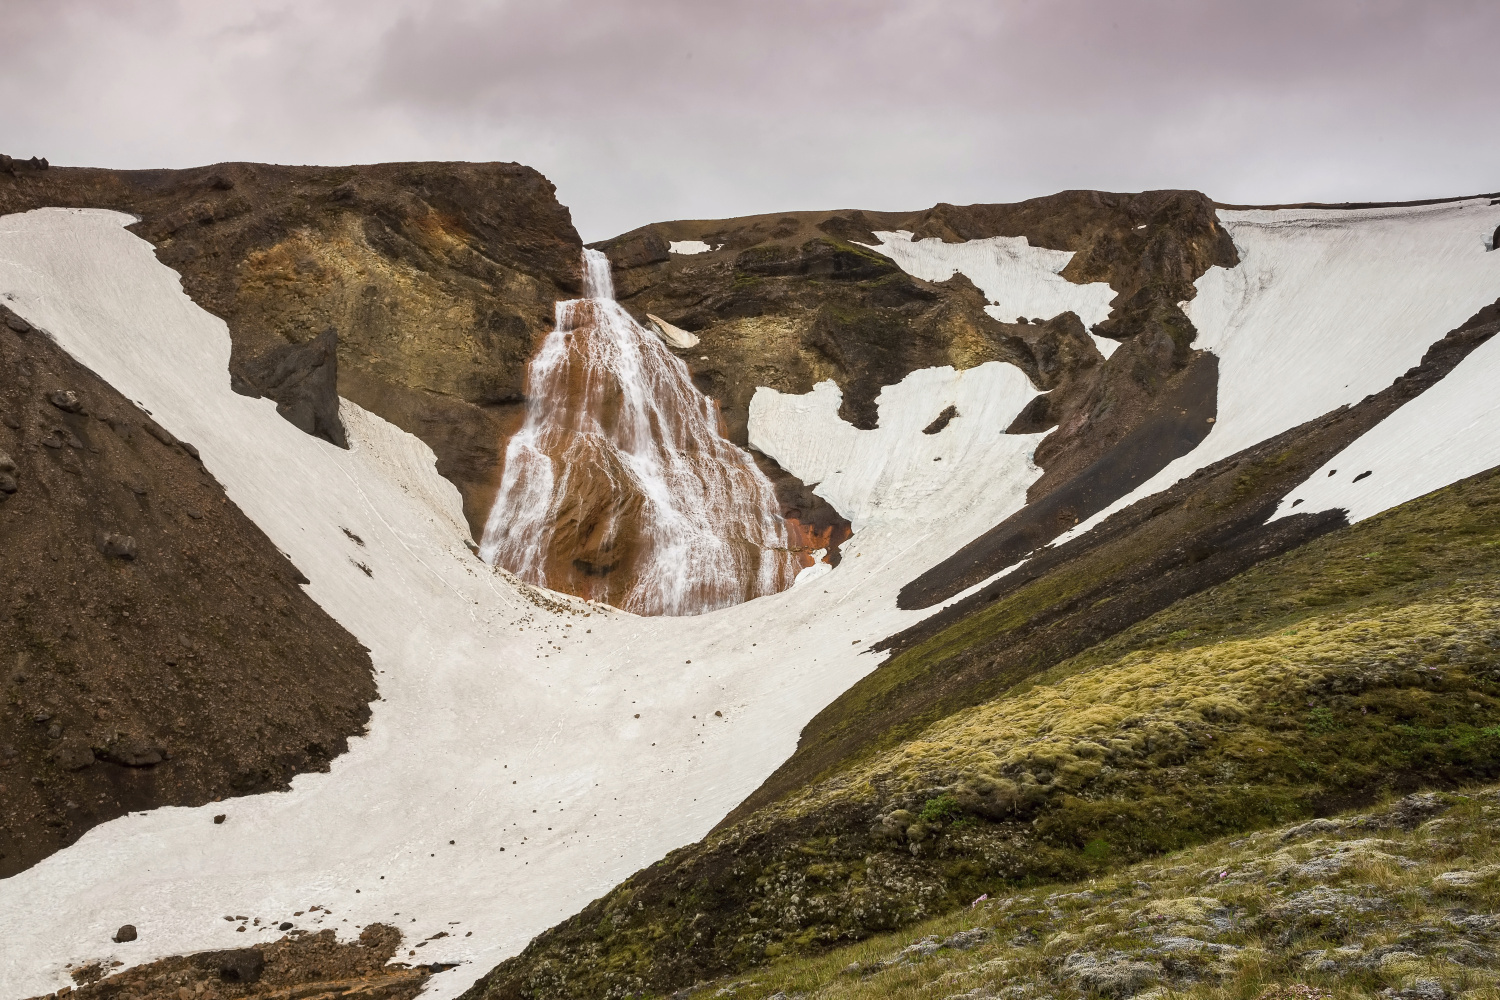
(1365, 663)
(1397, 902)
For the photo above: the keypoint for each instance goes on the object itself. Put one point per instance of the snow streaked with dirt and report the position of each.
(1017, 278)
(1326, 307)
(507, 720)
(1448, 433)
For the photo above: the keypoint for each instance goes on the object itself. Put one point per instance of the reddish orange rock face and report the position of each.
(620, 487)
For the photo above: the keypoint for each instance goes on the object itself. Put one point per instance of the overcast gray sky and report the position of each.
(647, 110)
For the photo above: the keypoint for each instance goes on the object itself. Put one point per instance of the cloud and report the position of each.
(657, 109)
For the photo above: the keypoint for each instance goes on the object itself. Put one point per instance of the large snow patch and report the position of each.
(1018, 278)
(965, 477)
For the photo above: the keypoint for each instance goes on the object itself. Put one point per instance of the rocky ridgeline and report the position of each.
(11, 165)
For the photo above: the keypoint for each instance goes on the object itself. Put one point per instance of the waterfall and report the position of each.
(619, 485)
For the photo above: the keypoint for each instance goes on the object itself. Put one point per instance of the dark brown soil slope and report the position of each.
(437, 280)
(155, 647)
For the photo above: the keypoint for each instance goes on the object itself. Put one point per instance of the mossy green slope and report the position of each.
(1399, 901)
(1364, 663)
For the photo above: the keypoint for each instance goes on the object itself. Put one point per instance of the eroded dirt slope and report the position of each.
(155, 647)
(302, 964)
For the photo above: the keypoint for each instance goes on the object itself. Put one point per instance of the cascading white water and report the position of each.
(619, 485)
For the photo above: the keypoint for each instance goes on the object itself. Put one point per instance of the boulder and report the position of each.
(8, 484)
(66, 400)
(125, 933)
(14, 322)
(73, 756)
(130, 751)
(303, 380)
(117, 546)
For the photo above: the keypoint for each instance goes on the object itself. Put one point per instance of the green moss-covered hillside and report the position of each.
(1363, 664)
(1397, 902)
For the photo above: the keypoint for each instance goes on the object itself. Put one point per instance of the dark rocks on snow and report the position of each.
(303, 380)
(117, 546)
(942, 420)
(125, 933)
(1495, 240)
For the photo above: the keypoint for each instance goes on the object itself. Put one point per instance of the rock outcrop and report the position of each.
(303, 380)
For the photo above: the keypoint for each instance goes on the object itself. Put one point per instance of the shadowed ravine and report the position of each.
(619, 487)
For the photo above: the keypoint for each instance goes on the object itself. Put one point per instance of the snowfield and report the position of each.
(1018, 278)
(895, 475)
(1448, 433)
(507, 723)
(1325, 307)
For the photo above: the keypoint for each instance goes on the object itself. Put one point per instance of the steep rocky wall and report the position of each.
(438, 280)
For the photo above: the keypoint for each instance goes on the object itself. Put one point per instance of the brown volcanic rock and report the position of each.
(155, 647)
(438, 279)
(789, 300)
(299, 965)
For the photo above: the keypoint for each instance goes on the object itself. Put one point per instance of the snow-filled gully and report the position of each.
(508, 718)
(561, 746)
